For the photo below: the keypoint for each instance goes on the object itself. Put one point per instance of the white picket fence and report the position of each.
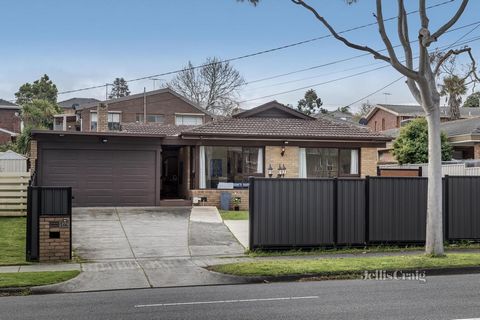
(13, 193)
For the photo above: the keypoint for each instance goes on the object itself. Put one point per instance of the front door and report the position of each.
(170, 174)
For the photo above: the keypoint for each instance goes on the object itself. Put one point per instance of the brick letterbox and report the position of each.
(54, 238)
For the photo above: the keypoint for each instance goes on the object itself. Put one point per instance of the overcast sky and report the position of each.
(90, 42)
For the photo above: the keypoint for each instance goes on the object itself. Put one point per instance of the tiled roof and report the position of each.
(460, 127)
(321, 128)
(77, 102)
(4, 104)
(417, 111)
(154, 129)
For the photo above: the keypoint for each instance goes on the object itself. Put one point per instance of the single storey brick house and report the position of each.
(152, 164)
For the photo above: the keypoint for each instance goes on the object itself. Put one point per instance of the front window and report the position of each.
(331, 162)
(151, 118)
(93, 121)
(114, 121)
(230, 167)
(190, 120)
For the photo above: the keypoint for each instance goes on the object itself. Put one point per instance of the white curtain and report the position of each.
(202, 173)
(354, 162)
(260, 161)
(302, 163)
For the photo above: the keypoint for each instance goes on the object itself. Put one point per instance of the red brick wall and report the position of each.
(5, 138)
(54, 249)
(165, 104)
(391, 121)
(213, 197)
(9, 121)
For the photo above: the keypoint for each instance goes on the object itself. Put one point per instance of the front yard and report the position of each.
(234, 215)
(12, 240)
(12, 252)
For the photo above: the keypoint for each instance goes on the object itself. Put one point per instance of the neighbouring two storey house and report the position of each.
(10, 123)
(159, 149)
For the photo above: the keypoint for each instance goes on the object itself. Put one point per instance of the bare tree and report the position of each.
(421, 81)
(214, 86)
(454, 81)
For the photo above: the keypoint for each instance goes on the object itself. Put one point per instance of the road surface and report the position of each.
(441, 297)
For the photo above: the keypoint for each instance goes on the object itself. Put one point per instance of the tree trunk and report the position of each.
(434, 232)
(454, 106)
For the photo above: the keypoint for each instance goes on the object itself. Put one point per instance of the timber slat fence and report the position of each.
(13, 193)
(286, 213)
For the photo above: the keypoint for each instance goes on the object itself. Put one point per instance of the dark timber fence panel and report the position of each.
(351, 211)
(292, 212)
(397, 209)
(463, 207)
(318, 212)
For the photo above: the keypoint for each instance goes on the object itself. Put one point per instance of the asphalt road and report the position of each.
(441, 297)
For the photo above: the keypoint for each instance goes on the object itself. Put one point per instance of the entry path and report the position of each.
(149, 247)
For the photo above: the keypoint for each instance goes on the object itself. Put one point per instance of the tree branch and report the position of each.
(376, 54)
(450, 23)
(408, 72)
(403, 35)
(450, 52)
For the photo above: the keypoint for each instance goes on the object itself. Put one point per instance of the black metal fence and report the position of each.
(321, 212)
(43, 201)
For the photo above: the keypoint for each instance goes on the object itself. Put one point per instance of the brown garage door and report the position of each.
(101, 177)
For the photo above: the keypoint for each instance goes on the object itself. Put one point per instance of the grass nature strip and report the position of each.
(12, 240)
(342, 266)
(31, 279)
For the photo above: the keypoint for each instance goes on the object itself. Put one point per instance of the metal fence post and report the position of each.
(335, 211)
(367, 209)
(447, 204)
(251, 211)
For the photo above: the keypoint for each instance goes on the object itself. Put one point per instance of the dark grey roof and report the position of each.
(4, 104)
(417, 111)
(451, 128)
(461, 127)
(75, 103)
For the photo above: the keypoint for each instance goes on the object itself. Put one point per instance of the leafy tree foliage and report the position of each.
(39, 114)
(345, 109)
(453, 87)
(311, 103)
(119, 89)
(213, 86)
(43, 89)
(473, 100)
(411, 146)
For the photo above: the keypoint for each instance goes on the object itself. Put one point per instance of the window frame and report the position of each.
(351, 175)
(196, 115)
(108, 120)
(244, 176)
(92, 128)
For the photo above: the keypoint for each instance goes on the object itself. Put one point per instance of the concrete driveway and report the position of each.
(149, 247)
(130, 233)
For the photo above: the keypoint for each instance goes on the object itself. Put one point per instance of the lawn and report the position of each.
(30, 279)
(347, 266)
(234, 215)
(12, 240)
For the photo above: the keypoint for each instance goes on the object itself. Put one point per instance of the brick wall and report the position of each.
(476, 151)
(391, 121)
(165, 104)
(290, 159)
(102, 118)
(369, 159)
(54, 249)
(9, 121)
(213, 197)
(33, 154)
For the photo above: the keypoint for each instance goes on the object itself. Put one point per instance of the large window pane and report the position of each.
(322, 162)
(348, 162)
(93, 121)
(231, 165)
(114, 121)
(188, 120)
